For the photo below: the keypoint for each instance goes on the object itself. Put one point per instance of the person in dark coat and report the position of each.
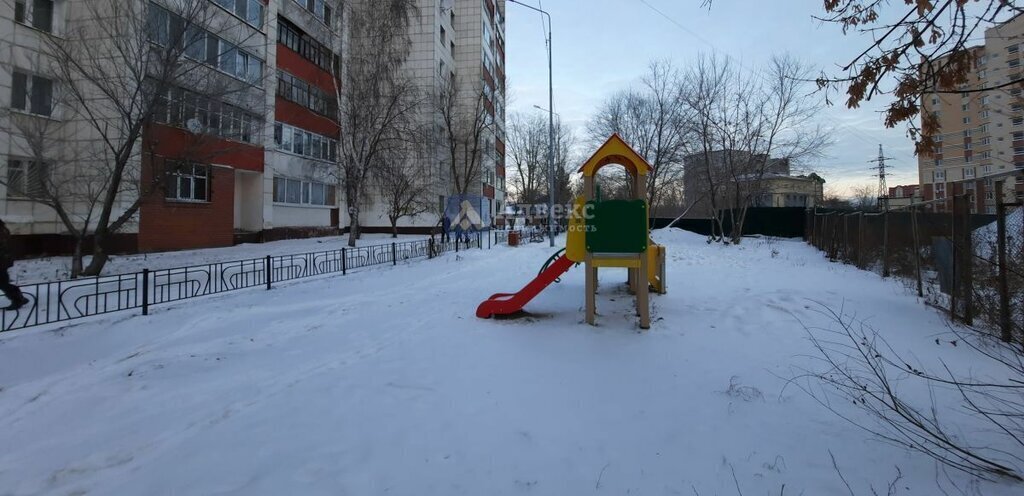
(6, 262)
(446, 225)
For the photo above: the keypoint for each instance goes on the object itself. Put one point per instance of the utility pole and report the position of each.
(551, 128)
(883, 189)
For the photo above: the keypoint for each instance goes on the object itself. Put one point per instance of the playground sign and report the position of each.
(468, 213)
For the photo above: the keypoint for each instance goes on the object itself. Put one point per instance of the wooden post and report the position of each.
(967, 259)
(860, 240)
(1004, 290)
(917, 251)
(885, 244)
(643, 287)
(953, 297)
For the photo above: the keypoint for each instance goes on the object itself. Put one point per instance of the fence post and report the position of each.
(846, 237)
(860, 239)
(968, 260)
(394, 253)
(954, 259)
(145, 291)
(480, 240)
(1004, 290)
(885, 243)
(917, 251)
(456, 244)
(489, 234)
(267, 266)
(344, 261)
(430, 247)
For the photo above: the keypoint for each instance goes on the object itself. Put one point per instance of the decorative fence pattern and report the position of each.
(59, 301)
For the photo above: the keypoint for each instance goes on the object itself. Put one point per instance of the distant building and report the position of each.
(981, 132)
(791, 191)
(778, 188)
(904, 195)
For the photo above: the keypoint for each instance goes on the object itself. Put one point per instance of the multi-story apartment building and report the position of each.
(271, 167)
(981, 138)
(460, 42)
(267, 143)
(772, 178)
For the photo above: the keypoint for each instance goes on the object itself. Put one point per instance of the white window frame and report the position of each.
(29, 15)
(26, 101)
(191, 173)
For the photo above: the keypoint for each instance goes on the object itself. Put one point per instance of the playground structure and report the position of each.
(602, 234)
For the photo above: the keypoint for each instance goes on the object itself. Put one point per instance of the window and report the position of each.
(935, 101)
(291, 36)
(26, 178)
(965, 107)
(309, 96)
(181, 108)
(1018, 135)
(968, 172)
(453, 48)
(968, 158)
(1014, 63)
(302, 142)
(967, 120)
(1013, 49)
(187, 182)
(35, 13)
(444, 36)
(940, 176)
(319, 8)
(200, 45)
(967, 146)
(1017, 121)
(984, 114)
(1018, 151)
(984, 100)
(982, 74)
(967, 133)
(33, 94)
(986, 154)
(301, 192)
(251, 11)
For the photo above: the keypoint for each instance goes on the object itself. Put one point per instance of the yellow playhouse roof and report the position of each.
(616, 151)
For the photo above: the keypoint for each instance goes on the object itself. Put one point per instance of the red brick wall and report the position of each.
(170, 225)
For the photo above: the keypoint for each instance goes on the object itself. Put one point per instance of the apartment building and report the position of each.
(774, 173)
(258, 163)
(981, 140)
(460, 42)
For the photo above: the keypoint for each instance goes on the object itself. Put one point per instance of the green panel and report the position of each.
(617, 226)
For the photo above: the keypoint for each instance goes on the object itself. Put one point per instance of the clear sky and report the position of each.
(604, 45)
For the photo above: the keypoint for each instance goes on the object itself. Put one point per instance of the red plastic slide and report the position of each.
(506, 303)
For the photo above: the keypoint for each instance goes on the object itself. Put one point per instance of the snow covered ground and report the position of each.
(383, 382)
(57, 268)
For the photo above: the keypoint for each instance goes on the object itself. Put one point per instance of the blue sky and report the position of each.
(604, 45)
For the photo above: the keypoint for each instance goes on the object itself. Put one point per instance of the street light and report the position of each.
(551, 131)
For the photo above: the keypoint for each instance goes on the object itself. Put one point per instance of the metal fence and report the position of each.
(59, 301)
(970, 265)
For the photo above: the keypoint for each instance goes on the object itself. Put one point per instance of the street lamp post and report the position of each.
(551, 131)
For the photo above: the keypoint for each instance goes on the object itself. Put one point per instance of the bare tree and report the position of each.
(741, 121)
(864, 197)
(402, 179)
(654, 120)
(376, 99)
(116, 68)
(467, 118)
(527, 155)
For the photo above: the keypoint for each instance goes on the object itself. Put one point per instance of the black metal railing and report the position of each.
(59, 301)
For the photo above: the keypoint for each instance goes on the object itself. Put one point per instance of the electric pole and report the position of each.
(883, 189)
